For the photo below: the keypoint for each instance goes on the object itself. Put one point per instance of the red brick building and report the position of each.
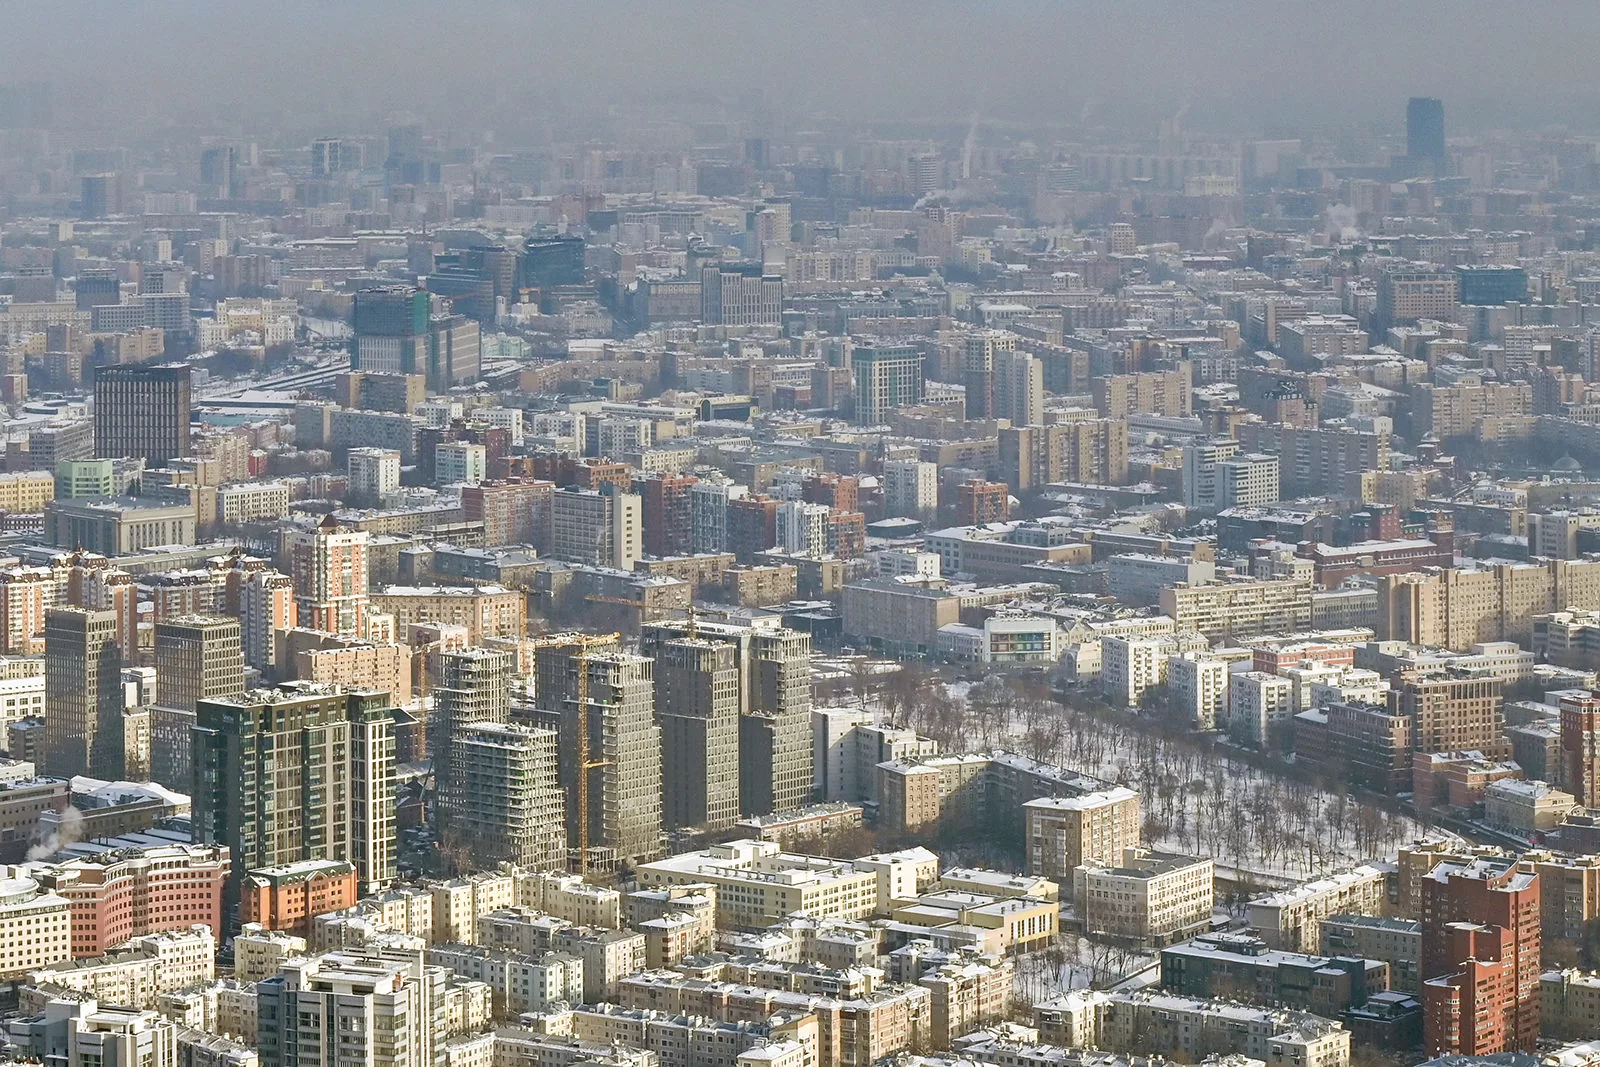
(667, 514)
(979, 502)
(1480, 958)
(1580, 748)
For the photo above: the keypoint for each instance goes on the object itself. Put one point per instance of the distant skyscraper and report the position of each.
(82, 694)
(1425, 130)
(303, 771)
(329, 565)
(102, 195)
(141, 411)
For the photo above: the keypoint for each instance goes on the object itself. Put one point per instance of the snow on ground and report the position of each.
(1258, 821)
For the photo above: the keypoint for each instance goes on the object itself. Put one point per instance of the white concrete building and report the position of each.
(1258, 705)
(1197, 688)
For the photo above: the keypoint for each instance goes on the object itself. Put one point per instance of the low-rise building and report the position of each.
(1289, 919)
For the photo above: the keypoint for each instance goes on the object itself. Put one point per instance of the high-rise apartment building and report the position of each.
(83, 694)
(329, 567)
(775, 739)
(887, 376)
(981, 350)
(598, 527)
(474, 687)
(1018, 388)
(302, 771)
(1480, 958)
(775, 730)
(708, 513)
(512, 512)
(374, 475)
(502, 800)
(697, 704)
(141, 411)
(1451, 710)
(1092, 451)
(668, 514)
(342, 1008)
(624, 796)
(266, 604)
(910, 487)
(1580, 748)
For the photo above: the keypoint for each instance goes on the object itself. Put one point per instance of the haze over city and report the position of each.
(800, 535)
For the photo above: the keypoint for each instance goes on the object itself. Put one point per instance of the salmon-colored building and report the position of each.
(291, 896)
(127, 893)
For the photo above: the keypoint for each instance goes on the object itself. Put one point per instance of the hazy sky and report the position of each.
(1238, 63)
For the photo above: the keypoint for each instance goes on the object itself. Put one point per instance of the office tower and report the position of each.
(374, 475)
(887, 376)
(1425, 131)
(980, 350)
(474, 687)
(198, 657)
(1480, 958)
(102, 196)
(333, 155)
(83, 694)
(391, 330)
(1406, 294)
(329, 568)
(1247, 479)
(97, 287)
(1018, 384)
(1580, 748)
(598, 527)
(216, 170)
(552, 261)
(697, 704)
(668, 514)
(910, 487)
(141, 411)
(740, 294)
(340, 1009)
(302, 771)
(266, 604)
(503, 801)
(624, 797)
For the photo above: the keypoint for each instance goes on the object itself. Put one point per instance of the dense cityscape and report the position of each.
(698, 581)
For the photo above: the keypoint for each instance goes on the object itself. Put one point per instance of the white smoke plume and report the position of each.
(68, 830)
